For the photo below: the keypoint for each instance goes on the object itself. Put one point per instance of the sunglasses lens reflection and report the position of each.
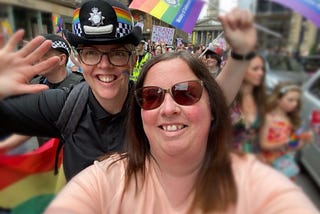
(184, 93)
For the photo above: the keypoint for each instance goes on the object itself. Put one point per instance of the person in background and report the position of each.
(107, 61)
(157, 50)
(55, 77)
(248, 109)
(282, 133)
(163, 47)
(170, 48)
(212, 60)
(178, 158)
(142, 57)
(197, 50)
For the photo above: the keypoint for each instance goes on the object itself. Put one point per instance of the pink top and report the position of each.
(98, 190)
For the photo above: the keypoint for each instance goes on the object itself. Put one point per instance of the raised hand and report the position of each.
(18, 67)
(239, 30)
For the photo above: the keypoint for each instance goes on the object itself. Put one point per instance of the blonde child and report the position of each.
(281, 134)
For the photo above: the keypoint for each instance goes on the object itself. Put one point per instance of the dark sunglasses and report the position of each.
(184, 93)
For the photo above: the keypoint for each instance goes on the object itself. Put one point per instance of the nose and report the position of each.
(169, 106)
(104, 62)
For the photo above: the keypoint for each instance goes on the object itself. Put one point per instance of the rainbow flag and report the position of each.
(182, 14)
(28, 182)
(57, 21)
(6, 27)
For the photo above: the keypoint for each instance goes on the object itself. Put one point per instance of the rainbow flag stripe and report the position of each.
(57, 21)
(30, 177)
(75, 19)
(123, 16)
(182, 14)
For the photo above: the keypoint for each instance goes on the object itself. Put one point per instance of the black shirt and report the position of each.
(97, 133)
(71, 79)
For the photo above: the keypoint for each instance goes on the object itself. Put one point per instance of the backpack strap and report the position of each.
(70, 114)
(72, 109)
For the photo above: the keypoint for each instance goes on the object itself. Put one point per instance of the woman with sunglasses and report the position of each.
(178, 158)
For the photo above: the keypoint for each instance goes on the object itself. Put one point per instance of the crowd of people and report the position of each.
(153, 131)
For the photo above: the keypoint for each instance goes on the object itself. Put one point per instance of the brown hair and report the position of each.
(278, 92)
(215, 188)
(259, 94)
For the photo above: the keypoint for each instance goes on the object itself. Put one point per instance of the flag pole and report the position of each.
(210, 44)
(259, 27)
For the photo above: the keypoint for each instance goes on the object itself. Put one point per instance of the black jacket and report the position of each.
(97, 132)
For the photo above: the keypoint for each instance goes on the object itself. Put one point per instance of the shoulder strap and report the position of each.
(70, 115)
(72, 109)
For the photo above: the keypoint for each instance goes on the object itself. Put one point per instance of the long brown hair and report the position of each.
(259, 94)
(215, 188)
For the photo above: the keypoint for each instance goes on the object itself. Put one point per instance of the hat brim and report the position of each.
(132, 38)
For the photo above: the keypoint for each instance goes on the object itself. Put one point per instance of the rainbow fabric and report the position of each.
(182, 14)
(75, 19)
(6, 27)
(57, 21)
(307, 8)
(123, 16)
(27, 181)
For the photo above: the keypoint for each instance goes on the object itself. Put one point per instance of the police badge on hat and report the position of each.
(96, 19)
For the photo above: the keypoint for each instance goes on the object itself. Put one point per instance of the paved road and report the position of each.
(309, 187)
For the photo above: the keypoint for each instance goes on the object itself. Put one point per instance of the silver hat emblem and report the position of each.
(95, 17)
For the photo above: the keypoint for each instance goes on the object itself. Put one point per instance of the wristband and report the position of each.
(248, 56)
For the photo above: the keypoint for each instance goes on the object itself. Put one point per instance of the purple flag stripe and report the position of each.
(303, 8)
(193, 16)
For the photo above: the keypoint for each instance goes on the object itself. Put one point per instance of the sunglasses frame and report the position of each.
(160, 98)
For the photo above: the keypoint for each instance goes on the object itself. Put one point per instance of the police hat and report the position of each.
(102, 22)
(58, 43)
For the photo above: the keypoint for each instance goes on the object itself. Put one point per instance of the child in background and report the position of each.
(282, 133)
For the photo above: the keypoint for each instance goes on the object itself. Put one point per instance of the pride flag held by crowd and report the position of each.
(28, 182)
(58, 22)
(182, 14)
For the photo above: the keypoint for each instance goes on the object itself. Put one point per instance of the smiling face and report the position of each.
(109, 83)
(175, 130)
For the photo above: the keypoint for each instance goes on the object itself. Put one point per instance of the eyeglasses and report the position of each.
(92, 56)
(184, 93)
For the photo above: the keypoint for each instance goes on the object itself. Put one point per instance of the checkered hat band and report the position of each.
(123, 30)
(77, 29)
(60, 44)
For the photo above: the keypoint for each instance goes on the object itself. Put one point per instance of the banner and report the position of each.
(182, 14)
(307, 8)
(162, 34)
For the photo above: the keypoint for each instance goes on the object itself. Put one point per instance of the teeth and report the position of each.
(172, 127)
(106, 78)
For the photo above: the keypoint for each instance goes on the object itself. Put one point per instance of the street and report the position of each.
(309, 187)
